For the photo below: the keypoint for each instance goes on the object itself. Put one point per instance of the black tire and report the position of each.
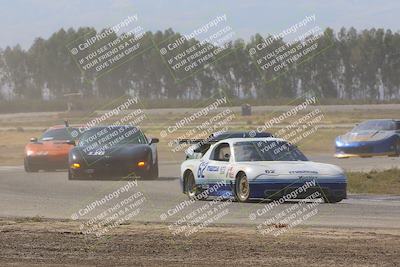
(242, 188)
(397, 147)
(332, 199)
(28, 167)
(190, 185)
(70, 175)
(152, 173)
(154, 170)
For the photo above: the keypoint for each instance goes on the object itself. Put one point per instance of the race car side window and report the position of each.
(221, 152)
(398, 125)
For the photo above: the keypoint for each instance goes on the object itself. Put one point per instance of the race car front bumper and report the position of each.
(328, 187)
(384, 147)
(45, 162)
(103, 169)
(272, 188)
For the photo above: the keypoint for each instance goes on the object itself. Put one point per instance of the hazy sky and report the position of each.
(24, 20)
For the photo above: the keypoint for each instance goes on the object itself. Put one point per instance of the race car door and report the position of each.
(218, 163)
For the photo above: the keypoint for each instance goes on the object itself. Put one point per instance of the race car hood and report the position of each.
(370, 135)
(293, 168)
(48, 146)
(125, 151)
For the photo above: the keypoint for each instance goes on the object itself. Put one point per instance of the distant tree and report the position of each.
(346, 65)
(16, 71)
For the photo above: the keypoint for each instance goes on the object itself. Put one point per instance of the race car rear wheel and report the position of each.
(190, 185)
(242, 188)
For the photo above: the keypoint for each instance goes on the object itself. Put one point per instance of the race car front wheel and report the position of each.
(28, 167)
(242, 188)
(190, 185)
(331, 199)
(71, 176)
(154, 170)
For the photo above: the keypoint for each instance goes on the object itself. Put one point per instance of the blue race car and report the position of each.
(370, 138)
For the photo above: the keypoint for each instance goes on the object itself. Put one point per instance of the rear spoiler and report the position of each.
(196, 141)
(214, 138)
(211, 139)
(201, 145)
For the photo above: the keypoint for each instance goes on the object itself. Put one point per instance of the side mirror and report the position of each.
(33, 139)
(71, 142)
(154, 141)
(226, 157)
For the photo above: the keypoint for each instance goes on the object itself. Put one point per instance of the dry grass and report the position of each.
(375, 182)
(12, 140)
(12, 144)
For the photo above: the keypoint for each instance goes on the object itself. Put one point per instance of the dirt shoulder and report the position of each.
(27, 242)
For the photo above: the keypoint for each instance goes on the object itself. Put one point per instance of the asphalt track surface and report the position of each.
(52, 195)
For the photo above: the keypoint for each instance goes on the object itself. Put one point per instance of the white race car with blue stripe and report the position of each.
(268, 168)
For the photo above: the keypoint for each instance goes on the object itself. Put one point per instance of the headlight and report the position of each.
(29, 152)
(75, 166)
(339, 141)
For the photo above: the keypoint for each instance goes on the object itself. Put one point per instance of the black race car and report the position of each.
(113, 151)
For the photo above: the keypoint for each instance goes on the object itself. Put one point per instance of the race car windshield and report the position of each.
(107, 137)
(377, 125)
(58, 134)
(267, 151)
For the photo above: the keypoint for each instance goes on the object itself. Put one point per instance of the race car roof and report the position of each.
(63, 126)
(255, 139)
(226, 135)
(215, 137)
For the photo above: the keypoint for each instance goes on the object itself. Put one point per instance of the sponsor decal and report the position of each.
(222, 170)
(212, 168)
(202, 168)
(308, 177)
(303, 172)
(96, 153)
